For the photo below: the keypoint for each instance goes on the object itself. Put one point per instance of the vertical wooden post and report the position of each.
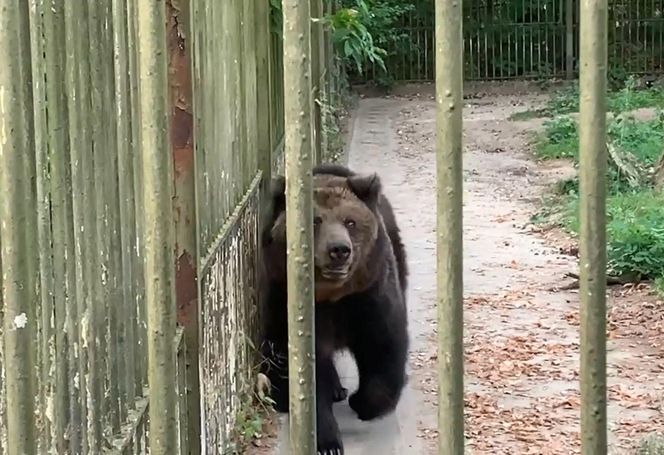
(158, 230)
(592, 258)
(263, 89)
(299, 225)
(178, 38)
(316, 74)
(449, 109)
(18, 253)
(569, 38)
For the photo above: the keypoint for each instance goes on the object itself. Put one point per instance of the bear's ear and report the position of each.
(278, 193)
(366, 187)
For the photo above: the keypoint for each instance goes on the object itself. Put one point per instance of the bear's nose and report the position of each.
(338, 251)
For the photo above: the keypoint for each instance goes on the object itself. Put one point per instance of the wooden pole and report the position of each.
(158, 226)
(593, 168)
(449, 123)
(299, 225)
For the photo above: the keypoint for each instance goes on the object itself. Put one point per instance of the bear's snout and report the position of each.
(339, 253)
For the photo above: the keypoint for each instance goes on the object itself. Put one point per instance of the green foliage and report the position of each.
(559, 140)
(352, 40)
(642, 139)
(635, 216)
(636, 234)
(627, 98)
(635, 231)
(564, 102)
(276, 18)
(249, 425)
(364, 29)
(516, 38)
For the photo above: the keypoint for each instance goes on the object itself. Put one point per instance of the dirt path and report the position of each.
(521, 339)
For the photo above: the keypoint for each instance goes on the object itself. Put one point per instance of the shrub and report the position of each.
(560, 139)
(353, 42)
(635, 232)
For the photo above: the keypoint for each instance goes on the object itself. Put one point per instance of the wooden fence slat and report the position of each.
(18, 230)
(157, 187)
(89, 82)
(126, 215)
(46, 347)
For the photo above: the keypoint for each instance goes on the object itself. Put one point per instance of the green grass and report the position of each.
(644, 140)
(566, 101)
(626, 99)
(635, 216)
(635, 231)
(560, 139)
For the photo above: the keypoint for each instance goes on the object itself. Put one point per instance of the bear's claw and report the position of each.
(331, 451)
(340, 394)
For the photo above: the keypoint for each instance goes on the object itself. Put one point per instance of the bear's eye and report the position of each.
(317, 220)
(350, 224)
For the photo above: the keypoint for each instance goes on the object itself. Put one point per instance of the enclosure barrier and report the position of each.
(299, 226)
(592, 238)
(516, 39)
(89, 184)
(81, 309)
(18, 236)
(592, 214)
(157, 180)
(449, 225)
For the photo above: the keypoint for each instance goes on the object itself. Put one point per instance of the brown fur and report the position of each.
(360, 287)
(333, 199)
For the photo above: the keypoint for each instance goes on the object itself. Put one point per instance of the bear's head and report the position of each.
(346, 227)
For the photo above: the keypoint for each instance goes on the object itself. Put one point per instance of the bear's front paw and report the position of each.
(329, 442)
(370, 405)
(340, 394)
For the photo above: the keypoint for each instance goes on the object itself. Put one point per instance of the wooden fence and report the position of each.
(80, 106)
(508, 39)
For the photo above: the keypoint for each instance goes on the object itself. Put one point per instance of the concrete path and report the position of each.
(374, 148)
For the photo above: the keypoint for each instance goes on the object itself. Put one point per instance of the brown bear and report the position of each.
(360, 286)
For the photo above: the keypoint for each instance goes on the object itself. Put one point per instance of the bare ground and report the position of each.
(521, 337)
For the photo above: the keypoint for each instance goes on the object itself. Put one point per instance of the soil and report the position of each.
(521, 335)
(521, 338)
